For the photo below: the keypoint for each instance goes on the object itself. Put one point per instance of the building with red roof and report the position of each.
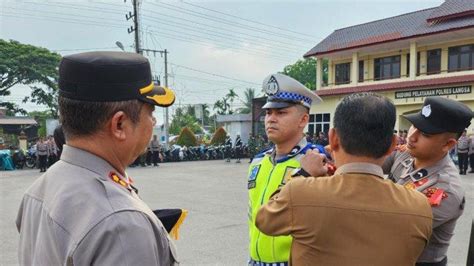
(405, 58)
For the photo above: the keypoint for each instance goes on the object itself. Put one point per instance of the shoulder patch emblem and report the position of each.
(253, 177)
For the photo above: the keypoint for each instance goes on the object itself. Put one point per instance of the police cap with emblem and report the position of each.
(284, 91)
(110, 77)
(440, 115)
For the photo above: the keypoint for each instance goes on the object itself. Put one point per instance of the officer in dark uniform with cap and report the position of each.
(425, 166)
(85, 210)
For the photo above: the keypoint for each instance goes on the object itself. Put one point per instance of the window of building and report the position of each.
(461, 58)
(343, 73)
(433, 61)
(387, 67)
(319, 122)
(361, 70)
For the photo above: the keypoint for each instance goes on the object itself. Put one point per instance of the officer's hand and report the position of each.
(314, 163)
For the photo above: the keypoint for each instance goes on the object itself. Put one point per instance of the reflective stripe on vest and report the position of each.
(264, 179)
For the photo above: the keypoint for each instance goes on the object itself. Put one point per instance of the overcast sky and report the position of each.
(213, 45)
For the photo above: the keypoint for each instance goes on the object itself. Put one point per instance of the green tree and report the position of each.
(184, 117)
(207, 115)
(222, 106)
(29, 65)
(187, 138)
(304, 70)
(231, 96)
(219, 136)
(249, 95)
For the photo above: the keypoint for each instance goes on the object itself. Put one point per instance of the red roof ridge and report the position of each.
(382, 19)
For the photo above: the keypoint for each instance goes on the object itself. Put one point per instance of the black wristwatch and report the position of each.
(300, 172)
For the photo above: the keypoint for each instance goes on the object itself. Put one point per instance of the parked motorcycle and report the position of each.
(30, 158)
(19, 158)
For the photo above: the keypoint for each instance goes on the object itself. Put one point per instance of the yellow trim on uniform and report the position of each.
(175, 230)
(147, 89)
(165, 99)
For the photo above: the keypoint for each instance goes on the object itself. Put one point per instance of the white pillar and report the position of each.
(354, 68)
(319, 72)
(413, 62)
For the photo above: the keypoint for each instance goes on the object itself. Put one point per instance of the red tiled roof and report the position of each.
(399, 85)
(452, 9)
(400, 27)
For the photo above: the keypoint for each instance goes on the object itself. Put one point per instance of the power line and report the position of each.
(69, 20)
(168, 35)
(79, 7)
(160, 20)
(223, 35)
(210, 81)
(201, 42)
(228, 44)
(181, 66)
(224, 21)
(85, 49)
(245, 19)
(212, 74)
(193, 23)
(229, 15)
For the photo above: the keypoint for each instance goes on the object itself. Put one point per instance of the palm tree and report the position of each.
(226, 106)
(249, 95)
(218, 107)
(231, 95)
(206, 113)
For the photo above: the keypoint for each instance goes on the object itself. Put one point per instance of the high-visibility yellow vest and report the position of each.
(264, 179)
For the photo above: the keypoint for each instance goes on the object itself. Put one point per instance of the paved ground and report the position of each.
(214, 192)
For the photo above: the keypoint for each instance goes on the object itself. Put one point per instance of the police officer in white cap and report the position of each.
(287, 114)
(425, 166)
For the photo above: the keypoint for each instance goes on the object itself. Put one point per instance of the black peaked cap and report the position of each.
(440, 115)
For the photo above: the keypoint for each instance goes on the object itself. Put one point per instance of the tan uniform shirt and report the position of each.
(75, 214)
(442, 175)
(352, 218)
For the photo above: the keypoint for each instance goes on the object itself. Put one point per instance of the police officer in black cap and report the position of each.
(425, 166)
(85, 209)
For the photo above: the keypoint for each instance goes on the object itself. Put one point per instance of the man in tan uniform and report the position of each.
(354, 217)
(84, 210)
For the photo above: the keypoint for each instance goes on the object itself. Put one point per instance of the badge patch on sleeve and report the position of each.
(253, 176)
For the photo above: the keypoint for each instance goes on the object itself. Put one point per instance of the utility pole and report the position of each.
(165, 53)
(139, 50)
(135, 23)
